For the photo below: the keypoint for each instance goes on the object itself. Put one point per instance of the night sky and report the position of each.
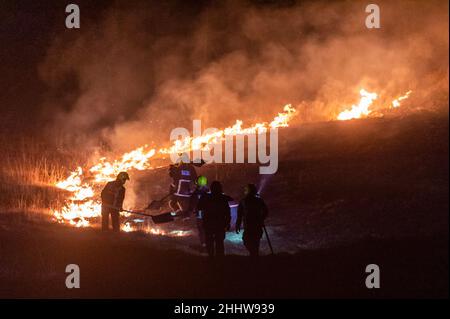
(27, 28)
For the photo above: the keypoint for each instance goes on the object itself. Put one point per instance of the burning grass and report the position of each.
(380, 194)
(34, 175)
(29, 169)
(83, 205)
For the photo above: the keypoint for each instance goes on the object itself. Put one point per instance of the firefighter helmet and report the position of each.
(202, 181)
(123, 176)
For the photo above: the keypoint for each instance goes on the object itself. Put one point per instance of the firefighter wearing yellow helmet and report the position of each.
(112, 196)
(200, 189)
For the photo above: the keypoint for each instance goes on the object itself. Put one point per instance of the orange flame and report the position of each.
(362, 109)
(202, 142)
(396, 102)
(83, 204)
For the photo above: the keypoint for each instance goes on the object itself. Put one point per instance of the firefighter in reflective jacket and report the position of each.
(252, 211)
(113, 195)
(183, 176)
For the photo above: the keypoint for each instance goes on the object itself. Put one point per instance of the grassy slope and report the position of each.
(372, 191)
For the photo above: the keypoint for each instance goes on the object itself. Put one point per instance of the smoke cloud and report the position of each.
(139, 70)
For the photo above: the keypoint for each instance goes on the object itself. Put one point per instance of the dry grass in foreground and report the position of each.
(29, 167)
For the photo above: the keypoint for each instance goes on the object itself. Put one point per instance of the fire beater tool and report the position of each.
(156, 204)
(157, 219)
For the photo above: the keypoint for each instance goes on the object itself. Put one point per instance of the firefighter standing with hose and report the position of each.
(112, 196)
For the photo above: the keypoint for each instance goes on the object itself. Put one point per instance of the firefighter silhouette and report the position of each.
(112, 196)
(252, 212)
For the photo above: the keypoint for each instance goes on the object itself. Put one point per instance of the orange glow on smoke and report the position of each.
(83, 204)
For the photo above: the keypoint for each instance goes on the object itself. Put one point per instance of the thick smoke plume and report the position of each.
(139, 70)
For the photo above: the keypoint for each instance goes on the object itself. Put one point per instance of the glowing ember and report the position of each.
(83, 204)
(360, 110)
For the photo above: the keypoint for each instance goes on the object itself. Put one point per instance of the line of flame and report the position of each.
(82, 203)
(362, 109)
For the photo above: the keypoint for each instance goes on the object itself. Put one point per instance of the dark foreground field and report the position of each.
(346, 195)
(126, 266)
